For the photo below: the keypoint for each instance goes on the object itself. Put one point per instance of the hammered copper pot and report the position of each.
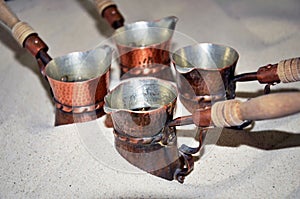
(79, 82)
(141, 110)
(144, 48)
(205, 74)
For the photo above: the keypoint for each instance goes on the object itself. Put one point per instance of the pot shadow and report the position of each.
(22, 56)
(265, 140)
(261, 92)
(103, 26)
(227, 137)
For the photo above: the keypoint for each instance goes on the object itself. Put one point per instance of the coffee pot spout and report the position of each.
(167, 22)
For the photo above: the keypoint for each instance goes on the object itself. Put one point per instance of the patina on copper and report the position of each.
(205, 74)
(141, 110)
(144, 48)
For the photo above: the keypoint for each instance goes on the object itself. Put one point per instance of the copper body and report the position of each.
(79, 82)
(80, 94)
(205, 74)
(131, 57)
(152, 61)
(144, 48)
(80, 101)
(76, 100)
(197, 93)
(158, 160)
(141, 110)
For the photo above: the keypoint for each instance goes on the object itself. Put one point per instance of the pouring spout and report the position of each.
(167, 22)
(109, 51)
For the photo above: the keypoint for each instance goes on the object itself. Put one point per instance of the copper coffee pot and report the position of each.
(206, 74)
(142, 110)
(143, 46)
(78, 81)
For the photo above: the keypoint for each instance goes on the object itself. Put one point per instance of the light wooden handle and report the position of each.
(102, 4)
(7, 16)
(289, 70)
(234, 113)
(20, 30)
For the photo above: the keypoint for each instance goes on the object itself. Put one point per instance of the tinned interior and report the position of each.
(204, 56)
(80, 66)
(140, 94)
(145, 33)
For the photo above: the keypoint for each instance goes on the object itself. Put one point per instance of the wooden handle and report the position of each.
(289, 70)
(234, 113)
(271, 106)
(20, 30)
(109, 11)
(7, 16)
(101, 5)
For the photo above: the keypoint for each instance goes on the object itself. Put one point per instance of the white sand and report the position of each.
(38, 160)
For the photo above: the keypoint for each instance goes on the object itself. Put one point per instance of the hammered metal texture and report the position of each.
(205, 74)
(131, 57)
(80, 93)
(145, 45)
(125, 101)
(196, 86)
(143, 124)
